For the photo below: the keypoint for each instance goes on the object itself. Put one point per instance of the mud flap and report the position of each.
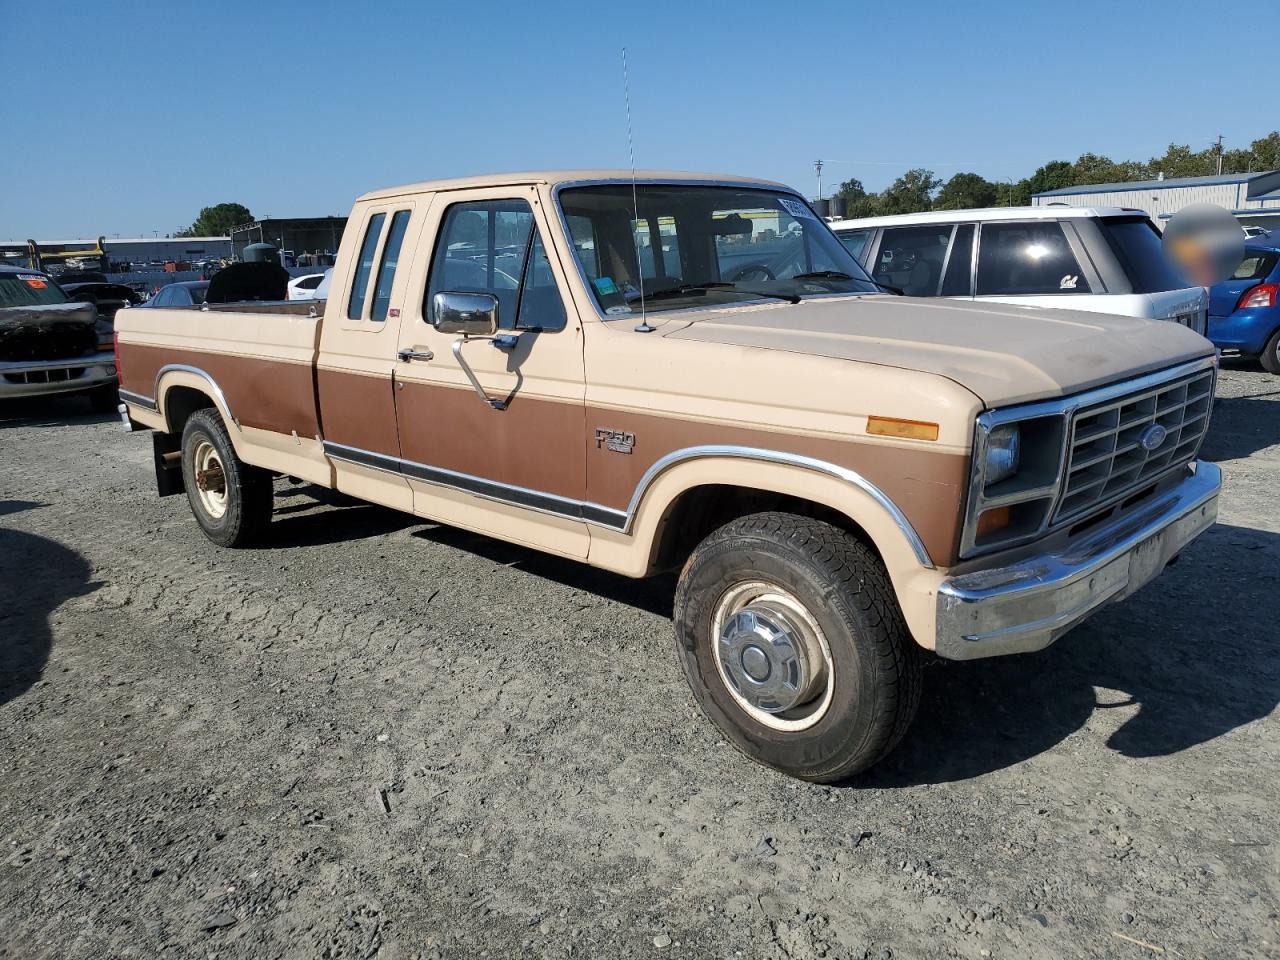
(167, 451)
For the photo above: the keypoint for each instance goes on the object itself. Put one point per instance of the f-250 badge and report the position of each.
(619, 441)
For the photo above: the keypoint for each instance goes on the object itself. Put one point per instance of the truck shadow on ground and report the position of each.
(50, 412)
(36, 576)
(1241, 426)
(653, 595)
(326, 516)
(1197, 652)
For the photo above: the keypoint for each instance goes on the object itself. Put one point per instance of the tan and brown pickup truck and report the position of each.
(689, 372)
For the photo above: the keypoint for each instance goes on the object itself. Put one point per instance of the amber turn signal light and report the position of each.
(997, 518)
(907, 429)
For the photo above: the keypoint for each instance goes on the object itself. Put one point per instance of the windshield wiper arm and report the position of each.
(686, 288)
(840, 275)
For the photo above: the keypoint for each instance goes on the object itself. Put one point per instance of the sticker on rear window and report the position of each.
(796, 209)
(38, 282)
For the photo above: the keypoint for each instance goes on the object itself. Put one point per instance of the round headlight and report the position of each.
(1002, 453)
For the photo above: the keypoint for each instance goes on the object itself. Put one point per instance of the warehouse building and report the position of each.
(1254, 198)
(314, 235)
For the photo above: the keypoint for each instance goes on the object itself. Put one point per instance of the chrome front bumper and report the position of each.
(38, 378)
(1027, 605)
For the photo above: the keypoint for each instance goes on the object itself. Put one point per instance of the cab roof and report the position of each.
(558, 177)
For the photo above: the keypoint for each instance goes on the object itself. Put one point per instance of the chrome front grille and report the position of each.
(54, 375)
(1106, 456)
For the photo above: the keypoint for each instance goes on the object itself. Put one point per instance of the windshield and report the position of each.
(695, 246)
(29, 290)
(1136, 244)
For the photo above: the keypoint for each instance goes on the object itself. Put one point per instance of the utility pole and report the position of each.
(817, 167)
(1219, 151)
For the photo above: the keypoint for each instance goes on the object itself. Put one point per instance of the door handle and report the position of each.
(404, 356)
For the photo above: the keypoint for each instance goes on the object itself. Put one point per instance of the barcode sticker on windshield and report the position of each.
(796, 208)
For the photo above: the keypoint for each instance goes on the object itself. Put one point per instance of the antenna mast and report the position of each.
(643, 325)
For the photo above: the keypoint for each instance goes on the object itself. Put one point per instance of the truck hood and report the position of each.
(51, 331)
(1003, 354)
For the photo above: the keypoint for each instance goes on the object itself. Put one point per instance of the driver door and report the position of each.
(506, 454)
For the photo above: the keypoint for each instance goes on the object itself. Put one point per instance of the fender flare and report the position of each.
(656, 488)
(182, 375)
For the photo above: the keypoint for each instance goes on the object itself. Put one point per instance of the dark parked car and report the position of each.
(50, 344)
(188, 293)
(1244, 311)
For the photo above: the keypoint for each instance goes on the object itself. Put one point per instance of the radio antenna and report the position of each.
(643, 325)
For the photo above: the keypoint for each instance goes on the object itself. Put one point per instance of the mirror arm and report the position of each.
(466, 368)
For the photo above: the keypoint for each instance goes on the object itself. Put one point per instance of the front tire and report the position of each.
(231, 500)
(1270, 356)
(793, 644)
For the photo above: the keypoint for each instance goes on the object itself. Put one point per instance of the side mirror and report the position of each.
(470, 314)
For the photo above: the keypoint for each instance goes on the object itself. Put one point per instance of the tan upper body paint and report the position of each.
(769, 396)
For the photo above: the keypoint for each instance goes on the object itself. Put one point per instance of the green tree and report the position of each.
(910, 193)
(1054, 175)
(858, 203)
(1180, 161)
(964, 191)
(1092, 168)
(1266, 152)
(217, 221)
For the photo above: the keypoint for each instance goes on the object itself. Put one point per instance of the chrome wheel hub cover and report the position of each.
(764, 658)
(772, 656)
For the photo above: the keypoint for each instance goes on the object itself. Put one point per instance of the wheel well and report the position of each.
(698, 511)
(180, 403)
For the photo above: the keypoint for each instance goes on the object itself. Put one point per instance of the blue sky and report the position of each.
(127, 117)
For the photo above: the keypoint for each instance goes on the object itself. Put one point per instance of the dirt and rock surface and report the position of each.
(375, 737)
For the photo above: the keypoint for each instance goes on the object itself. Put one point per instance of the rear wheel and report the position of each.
(1270, 356)
(231, 500)
(792, 641)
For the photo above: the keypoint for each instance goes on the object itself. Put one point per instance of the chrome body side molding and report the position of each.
(602, 516)
(138, 400)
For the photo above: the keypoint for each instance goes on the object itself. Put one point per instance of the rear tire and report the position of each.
(793, 643)
(1270, 356)
(231, 500)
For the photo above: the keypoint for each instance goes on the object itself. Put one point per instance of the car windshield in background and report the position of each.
(29, 290)
(1136, 244)
(1256, 265)
(695, 246)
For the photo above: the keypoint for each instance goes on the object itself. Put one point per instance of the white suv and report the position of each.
(1101, 259)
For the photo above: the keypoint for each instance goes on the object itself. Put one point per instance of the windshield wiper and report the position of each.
(686, 288)
(839, 275)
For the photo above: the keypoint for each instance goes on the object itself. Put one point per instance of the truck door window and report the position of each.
(387, 269)
(958, 279)
(360, 285)
(1027, 258)
(482, 248)
(540, 304)
(912, 258)
(493, 246)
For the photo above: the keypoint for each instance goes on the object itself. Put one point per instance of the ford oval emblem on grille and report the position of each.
(1152, 437)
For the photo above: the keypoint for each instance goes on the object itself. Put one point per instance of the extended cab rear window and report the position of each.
(29, 290)
(1135, 241)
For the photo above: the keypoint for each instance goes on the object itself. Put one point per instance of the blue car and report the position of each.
(1244, 311)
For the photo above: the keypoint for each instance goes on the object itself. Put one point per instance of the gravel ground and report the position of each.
(376, 737)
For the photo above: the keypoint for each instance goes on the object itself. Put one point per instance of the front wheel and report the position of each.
(1270, 356)
(231, 500)
(792, 641)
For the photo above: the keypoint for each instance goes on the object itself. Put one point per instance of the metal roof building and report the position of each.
(1251, 197)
